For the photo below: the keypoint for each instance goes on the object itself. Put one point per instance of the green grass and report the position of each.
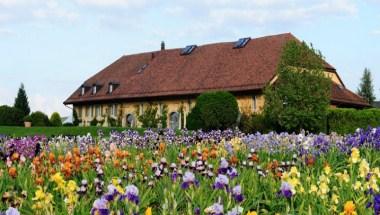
(55, 131)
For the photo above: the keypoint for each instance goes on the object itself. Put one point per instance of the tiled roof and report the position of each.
(341, 95)
(209, 67)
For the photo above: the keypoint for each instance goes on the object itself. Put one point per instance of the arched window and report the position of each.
(174, 120)
(130, 120)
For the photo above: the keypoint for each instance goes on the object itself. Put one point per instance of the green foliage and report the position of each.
(38, 118)
(94, 122)
(55, 120)
(10, 116)
(149, 118)
(75, 118)
(345, 120)
(113, 122)
(21, 101)
(214, 110)
(164, 116)
(301, 95)
(67, 129)
(194, 120)
(366, 87)
(253, 123)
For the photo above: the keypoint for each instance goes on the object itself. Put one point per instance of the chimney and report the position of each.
(162, 45)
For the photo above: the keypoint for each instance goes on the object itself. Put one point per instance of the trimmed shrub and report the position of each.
(217, 110)
(10, 116)
(253, 123)
(194, 120)
(345, 120)
(38, 118)
(55, 120)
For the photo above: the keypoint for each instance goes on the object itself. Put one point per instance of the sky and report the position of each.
(53, 46)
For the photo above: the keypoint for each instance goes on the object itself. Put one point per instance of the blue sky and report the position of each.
(52, 46)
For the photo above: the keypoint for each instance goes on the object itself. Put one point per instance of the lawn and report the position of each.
(54, 131)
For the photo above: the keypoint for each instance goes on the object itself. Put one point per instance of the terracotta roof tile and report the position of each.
(209, 67)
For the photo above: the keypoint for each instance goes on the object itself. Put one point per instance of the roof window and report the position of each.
(188, 49)
(241, 42)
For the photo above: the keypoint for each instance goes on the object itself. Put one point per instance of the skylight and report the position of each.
(188, 49)
(241, 42)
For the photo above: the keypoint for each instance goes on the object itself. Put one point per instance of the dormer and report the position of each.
(112, 85)
(83, 89)
(95, 88)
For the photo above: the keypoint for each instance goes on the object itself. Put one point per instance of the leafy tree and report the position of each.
(21, 101)
(75, 118)
(366, 87)
(38, 118)
(214, 110)
(10, 116)
(301, 95)
(149, 118)
(55, 120)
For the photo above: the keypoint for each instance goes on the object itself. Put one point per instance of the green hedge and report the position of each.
(344, 120)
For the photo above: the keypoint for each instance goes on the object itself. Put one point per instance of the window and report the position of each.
(130, 120)
(94, 90)
(142, 68)
(241, 42)
(254, 103)
(110, 88)
(83, 90)
(188, 49)
(174, 120)
(88, 111)
(113, 110)
(98, 111)
(80, 112)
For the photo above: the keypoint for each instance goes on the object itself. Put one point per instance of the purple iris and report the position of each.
(286, 190)
(12, 211)
(221, 182)
(111, 194)
(132, 194)
(232, 173)
(100, 207)
(216, 209)
(376, 204)
(236, 193)
(223, 167)
(188, 179)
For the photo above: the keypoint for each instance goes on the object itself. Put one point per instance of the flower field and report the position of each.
(218, 172)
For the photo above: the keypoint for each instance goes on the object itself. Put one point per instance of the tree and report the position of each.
(301, 95)
(214, 110)
(10, 116)
(365, 89)
(21, 101)
(149, 118)
(55, 120)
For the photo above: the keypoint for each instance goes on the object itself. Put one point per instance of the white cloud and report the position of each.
(376, 32)
(112, 3)
(6, 31)
(25, 11)
(48, 105)
(52, 9)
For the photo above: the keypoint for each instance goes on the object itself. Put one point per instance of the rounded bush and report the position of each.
(55, 120)
(217, 110)
(38, 118)
(10, 116)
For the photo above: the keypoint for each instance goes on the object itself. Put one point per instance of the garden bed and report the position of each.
(193, 173)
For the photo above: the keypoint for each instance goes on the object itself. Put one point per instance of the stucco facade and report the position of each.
(123, 112)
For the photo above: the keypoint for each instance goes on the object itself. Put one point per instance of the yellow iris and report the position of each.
(355, 155)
